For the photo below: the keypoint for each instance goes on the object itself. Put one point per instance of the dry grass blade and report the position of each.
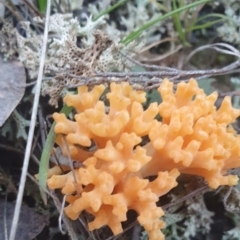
(67, 222)
(169, 39)
(32, 8)
(201, 190)
(162, 56)
(31, 130)
(149, 66)
(226, 198)
(217, 46)
(58, 205)
(114, 237)
(60, 216)
(13, 9)
(5, 218)
(71, 166)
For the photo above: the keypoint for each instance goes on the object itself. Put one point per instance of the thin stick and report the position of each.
(169, 39)
(71, 166)
(42, 126)
(182, 199)
(35, 141)
(60, 215)
(5, 217)
(31, 130)
(162, 56)
(10, 148)
(124, 230)
(32, 83)
(148, 80)
(148, 66)
(33, 8)
(136, 232)
(226, 198)
(212, 72)
(217, 46)
(67, 222)
(44, 189)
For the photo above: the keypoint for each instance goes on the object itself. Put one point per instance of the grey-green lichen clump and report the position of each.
(229, 30)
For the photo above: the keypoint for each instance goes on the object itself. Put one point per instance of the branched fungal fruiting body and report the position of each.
(193, 137)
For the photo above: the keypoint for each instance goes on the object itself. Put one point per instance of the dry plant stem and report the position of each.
(136, 232)
(148, 80)
(66, 221)
(71, 166)
(233, 171)
(169, 39)
(35, 181)
(162, 56)
(57, 5)
(124, 230)
(181, 74)
(5, 217)
(33, 8)
(10, 148)
(97, 234)
(42, 125)
(31, 130)
(36, 160)
(230, 50)
(33, 83)
(234, 71)
(12, 8)
(86, 228)
(182, 199)
(226, 198)
(83, 219)
(231, 94)
(61, 214)
(148, 66)
(35, 141)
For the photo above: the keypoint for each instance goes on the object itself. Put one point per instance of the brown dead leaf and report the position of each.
(12, 76)
(30, 223)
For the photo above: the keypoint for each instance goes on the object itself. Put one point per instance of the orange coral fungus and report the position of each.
(193, 137)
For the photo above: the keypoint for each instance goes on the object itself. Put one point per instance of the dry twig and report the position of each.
(58, 205)
(31, 130)
(152, 79)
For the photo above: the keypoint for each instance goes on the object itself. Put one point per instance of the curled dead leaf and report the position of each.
(12, 77)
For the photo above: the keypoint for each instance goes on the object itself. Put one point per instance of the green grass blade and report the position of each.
(47, 150)
(42, 5)
(203, 26)
(195, 26)
(178, 25)
(116, 5)
(216, 15)
(138, 32)
(159, 5)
